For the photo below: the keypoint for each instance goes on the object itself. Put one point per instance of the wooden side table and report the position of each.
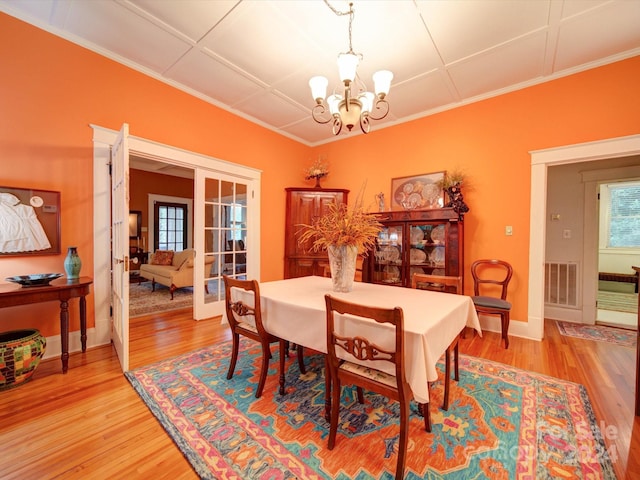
(61, 289)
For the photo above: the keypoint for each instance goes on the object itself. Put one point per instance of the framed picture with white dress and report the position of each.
(29, 222)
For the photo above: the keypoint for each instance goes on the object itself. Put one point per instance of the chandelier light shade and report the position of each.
(350, 103)
(347, 66)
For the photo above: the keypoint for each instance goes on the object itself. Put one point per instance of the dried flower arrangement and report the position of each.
(452, 184)
(342, 225)
(319, 169)
(451, 178)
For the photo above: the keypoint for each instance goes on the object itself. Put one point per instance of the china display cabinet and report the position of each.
(416, 241)
(304, 206)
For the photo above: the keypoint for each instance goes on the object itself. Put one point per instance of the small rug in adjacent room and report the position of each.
(502, 423)
(143, 301)
(618, 301)
(599, 333)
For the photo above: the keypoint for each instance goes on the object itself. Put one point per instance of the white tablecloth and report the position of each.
(294, 309)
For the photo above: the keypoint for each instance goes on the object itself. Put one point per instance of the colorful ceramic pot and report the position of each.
(20, 354)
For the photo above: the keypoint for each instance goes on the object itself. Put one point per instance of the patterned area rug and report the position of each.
(502, 423)
(143, 301)
(618, 301)
(600, 333)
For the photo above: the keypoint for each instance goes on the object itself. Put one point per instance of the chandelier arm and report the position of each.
(381, 105)
(337, 124)
(365, 125)
(318, 111)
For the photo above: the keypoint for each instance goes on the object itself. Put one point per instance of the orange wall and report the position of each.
(51, 90)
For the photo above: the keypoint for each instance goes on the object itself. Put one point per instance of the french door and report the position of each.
(231, 212)
(120, 246)
(226, 229)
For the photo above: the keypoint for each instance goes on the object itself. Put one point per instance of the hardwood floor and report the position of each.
(90, 423)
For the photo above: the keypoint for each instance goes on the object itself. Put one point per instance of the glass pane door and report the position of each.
(427, 254)
(388, 256)
(224, 228)
(225, 233)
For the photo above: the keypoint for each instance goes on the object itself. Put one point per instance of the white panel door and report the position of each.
(120, 246)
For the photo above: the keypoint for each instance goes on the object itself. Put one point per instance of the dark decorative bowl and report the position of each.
(36, 280)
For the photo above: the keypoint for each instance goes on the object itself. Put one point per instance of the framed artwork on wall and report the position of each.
(29, 222)
(417, 192)
(135, 224)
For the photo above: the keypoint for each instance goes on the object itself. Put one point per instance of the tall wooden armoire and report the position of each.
(304, 205)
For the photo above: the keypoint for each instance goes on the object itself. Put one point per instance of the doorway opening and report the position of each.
(541, 160)
(204, 167)
(167, 225)
(618, 253)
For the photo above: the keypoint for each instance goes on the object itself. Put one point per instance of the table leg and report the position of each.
(284, 350)
(83, 323)
(64, 334)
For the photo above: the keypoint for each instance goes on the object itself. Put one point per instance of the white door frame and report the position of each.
(103, 138)
(540, 161)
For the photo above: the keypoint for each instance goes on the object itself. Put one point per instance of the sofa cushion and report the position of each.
(150, 271)
(162, 257)
(183, 259)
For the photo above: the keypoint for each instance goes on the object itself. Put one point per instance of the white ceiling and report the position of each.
(255, 57)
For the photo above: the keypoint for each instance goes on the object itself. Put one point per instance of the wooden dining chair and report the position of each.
(446, 284)
(237, 313)
(363, 350)
(491, 275)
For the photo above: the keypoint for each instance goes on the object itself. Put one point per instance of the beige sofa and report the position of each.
(176, 275)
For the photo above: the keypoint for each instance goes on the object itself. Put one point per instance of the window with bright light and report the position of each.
(237, 221)
(622, 203)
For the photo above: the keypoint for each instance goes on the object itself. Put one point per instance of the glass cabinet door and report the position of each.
(427, 242)
(427, 249)
(387, 261)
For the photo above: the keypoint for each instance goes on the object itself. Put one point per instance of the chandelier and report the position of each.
(355, 104)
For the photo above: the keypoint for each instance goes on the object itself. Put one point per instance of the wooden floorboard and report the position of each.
(90, 423)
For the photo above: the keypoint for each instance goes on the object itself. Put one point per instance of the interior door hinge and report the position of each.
(110, 164)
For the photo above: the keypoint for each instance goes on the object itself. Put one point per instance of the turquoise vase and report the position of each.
(72, 263)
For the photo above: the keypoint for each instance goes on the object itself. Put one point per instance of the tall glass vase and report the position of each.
(342, 261)
(72, 263)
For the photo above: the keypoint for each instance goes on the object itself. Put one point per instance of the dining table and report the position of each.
(294, 309)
